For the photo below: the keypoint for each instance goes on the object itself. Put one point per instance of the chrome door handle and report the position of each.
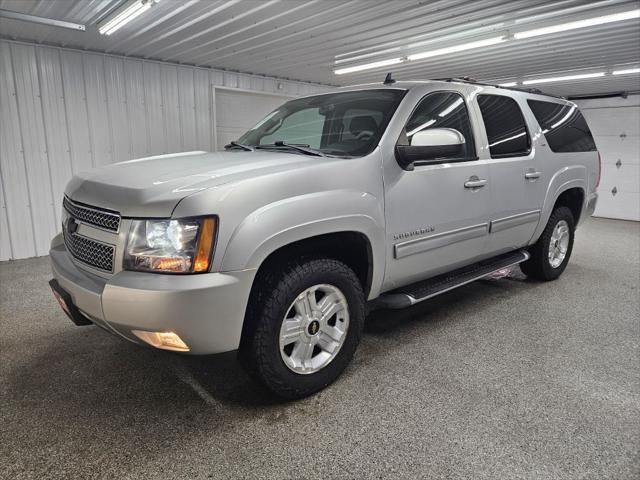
(475, 182)
(532, 175)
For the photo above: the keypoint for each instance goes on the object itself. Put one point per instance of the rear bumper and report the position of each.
(205, 310)
(591, 203)
(590, 206)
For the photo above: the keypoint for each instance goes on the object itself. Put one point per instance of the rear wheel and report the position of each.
(550, 254)
(307, 321)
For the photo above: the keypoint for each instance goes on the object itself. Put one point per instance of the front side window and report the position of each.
(563, 126)
(505, 126)
(441, 110)
(340, 124)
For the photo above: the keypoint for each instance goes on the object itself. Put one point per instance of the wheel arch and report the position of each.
(353, 248)
(312, 220)
(567, 187)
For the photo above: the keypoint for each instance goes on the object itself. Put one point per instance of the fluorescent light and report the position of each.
(457, 48)
(628, 71)
(367, 66)
(508, 84)
(125, 16)
(589, 22)
(563, 79)
(365, 55)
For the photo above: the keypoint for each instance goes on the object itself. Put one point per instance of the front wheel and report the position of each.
(550, 254)
(307, 322)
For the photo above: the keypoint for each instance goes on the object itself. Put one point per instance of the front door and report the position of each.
(437, 213)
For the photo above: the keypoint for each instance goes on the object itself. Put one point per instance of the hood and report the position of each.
(152, 186)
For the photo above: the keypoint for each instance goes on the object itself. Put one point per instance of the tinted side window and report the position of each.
(441, 110)
(563, 126)
(506, 129)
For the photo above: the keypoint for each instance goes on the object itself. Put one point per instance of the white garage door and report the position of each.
(237, 112)
(615, 124)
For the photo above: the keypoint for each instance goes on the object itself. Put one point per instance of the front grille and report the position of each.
(96, 254)
(93, 216)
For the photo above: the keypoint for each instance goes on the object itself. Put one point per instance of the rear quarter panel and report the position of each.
(562, 170)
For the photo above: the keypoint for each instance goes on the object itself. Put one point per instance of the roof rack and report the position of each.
(518, 89)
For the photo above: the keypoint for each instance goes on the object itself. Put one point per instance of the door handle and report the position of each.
(475, 182)
(532, 175)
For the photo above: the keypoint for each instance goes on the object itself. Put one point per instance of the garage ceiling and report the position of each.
(302, 40)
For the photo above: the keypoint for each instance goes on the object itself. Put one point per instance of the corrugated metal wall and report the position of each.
(63, 111)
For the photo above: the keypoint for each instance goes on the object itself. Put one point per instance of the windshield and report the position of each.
(341, 124)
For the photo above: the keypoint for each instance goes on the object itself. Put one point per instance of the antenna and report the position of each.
(388, 80)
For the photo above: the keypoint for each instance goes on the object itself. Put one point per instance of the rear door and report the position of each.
(516, 173)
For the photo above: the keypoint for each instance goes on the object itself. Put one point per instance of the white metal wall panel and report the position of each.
(186, 109)
(615, 123)
(99, 125)
(136, 108)
(27, 87)
(204, 132)
(172, 126)
(5, 240)
(117, 109)
(19, 238)
(76, 109)
(64, 111)
(57, 137)
(155, 114)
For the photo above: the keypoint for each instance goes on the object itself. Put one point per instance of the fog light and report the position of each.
(164, 340)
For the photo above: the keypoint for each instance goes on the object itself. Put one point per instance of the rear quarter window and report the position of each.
(563, 126)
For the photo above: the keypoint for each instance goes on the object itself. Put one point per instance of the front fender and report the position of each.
(564, 179)
(292, 219)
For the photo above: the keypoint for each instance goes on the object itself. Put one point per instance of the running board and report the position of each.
(417, 292)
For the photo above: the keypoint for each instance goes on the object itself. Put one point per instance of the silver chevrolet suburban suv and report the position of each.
(380, 195)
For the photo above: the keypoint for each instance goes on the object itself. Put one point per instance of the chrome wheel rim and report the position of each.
(314, 329)
(559, 244)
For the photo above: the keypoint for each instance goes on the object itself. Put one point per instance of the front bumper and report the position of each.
(205, 310)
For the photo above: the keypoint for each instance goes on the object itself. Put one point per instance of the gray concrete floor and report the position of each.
(499, 379)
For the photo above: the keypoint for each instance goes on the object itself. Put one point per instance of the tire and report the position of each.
(280, 297)
(541, 266)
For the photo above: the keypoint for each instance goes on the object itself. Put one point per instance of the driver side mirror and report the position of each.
(430, 145)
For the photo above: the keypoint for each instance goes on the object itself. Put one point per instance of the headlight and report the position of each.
(174, 246)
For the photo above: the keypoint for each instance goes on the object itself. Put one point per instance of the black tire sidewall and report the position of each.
(562, 213)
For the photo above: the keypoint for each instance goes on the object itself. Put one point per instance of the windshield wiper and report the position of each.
(233, 143)
(294, 146)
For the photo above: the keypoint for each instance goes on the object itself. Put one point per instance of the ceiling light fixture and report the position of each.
(508, 84)
(368, 66)
(124, 15)
(457, 48)
(589, 22)
(45, 21)
(627, 71)
(564, 78)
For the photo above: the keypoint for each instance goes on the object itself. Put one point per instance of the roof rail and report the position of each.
(518, 89)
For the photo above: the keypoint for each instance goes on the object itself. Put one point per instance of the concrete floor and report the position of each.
(499, 379)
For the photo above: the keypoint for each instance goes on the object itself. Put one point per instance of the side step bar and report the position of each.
(417, 292)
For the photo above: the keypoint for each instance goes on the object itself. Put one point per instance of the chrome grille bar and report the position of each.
(99, 218)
